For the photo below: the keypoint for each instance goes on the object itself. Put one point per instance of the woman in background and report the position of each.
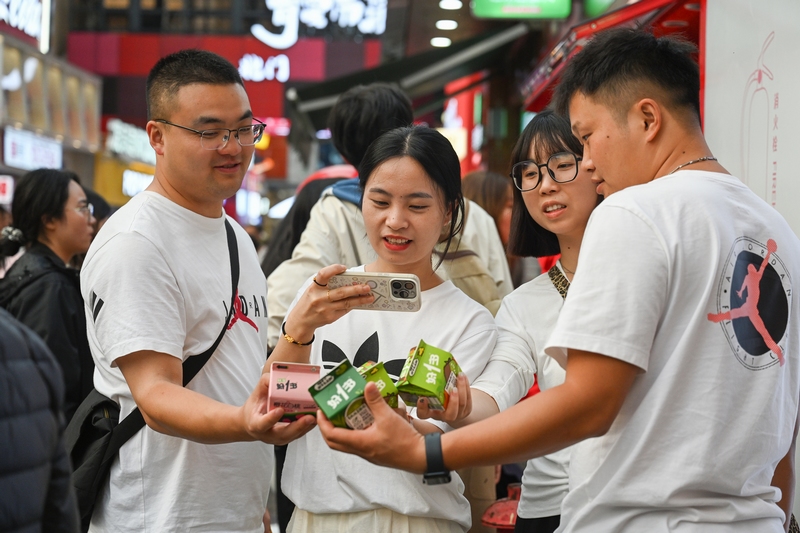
(52, 222)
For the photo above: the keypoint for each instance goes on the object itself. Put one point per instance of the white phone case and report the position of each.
(393, 292)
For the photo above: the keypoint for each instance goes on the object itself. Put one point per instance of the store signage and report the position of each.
(255, 68)
(28, 151)
(24, 15)
(369, 16)
(134, 182)
(129, 141)
(521, 9)
(6, 189)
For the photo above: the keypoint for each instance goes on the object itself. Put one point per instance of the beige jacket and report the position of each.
(335, 234)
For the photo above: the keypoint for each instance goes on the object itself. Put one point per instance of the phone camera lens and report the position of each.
(397, 285)
(403, 294)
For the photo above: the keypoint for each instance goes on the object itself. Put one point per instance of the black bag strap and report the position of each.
(132, 423)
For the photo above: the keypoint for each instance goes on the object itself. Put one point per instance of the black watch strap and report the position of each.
(436, 473)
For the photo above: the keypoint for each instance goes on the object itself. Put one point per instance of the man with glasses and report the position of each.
(157, 287)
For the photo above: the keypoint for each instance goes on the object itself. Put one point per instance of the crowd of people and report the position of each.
(669, 385)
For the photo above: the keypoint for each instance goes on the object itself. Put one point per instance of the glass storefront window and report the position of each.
(91, 106)
(13, 92)
(33, 75)
(55, 101)
(74, 115)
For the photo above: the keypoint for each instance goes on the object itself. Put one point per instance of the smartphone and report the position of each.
(392, 291)
(288, 388)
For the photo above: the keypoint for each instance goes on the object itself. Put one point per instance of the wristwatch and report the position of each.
(436, 474)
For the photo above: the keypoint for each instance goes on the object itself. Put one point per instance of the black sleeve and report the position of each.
(60, 513)
(48, 306)
(286, 236)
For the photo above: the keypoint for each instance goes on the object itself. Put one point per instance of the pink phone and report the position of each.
(288, 388)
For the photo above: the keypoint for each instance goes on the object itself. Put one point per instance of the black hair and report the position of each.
(362, 114)
(548, 133)
(39, 196)
(434, 153)
(182, 68)
(620, 66)
(101, 208)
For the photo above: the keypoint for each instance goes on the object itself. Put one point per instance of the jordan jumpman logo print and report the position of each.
(749, 307)
(238, 314)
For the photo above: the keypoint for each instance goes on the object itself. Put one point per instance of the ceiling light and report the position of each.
(446, 24)
(441, 42)
(450, 4)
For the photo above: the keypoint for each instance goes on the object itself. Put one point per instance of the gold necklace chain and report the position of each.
(693, 161)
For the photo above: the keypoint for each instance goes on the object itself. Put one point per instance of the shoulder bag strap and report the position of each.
(132, 423)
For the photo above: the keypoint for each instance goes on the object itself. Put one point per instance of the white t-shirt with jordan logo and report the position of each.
(320, 480)
(698, 437)
(157, 277)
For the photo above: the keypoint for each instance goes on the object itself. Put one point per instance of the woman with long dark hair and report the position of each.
(52, 222)
(411, 183)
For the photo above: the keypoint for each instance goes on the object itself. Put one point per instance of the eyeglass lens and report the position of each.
(563, 167)
(216, 139)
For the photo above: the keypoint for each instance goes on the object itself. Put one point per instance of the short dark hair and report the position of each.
(621, 66)
(39, 195)
(182, 68)
(548, 133)
(434, 153)
(363, 113)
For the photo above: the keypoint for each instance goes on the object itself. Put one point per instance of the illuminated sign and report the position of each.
(31, 17)
(369, 16)
(28, 151)
(521, 9)
(129, 141)
(134, 182)
(255, 68)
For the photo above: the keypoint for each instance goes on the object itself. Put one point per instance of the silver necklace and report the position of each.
(693, 161)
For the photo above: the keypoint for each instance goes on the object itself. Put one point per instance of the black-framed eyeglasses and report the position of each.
(217, 138)
(562, 167)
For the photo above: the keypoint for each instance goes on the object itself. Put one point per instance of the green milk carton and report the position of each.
(428, 372)
(340, 395)
(376, 373)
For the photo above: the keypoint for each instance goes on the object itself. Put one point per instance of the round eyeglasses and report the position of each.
(562, 167)
(85, 210)
(217, 138)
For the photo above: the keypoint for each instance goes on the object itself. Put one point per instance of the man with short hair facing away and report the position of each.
(156, 282)
(694, 412)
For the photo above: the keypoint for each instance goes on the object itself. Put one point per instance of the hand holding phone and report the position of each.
(391, 291)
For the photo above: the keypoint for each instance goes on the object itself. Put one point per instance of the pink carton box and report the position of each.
(288, 388)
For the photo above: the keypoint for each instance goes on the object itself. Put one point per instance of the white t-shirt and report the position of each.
(524, 323)
(162, 273)
(320, 480)
(698, 437)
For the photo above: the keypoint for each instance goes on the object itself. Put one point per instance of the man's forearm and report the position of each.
(582, 407)
(174, 410)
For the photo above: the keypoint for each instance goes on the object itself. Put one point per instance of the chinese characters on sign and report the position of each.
(369, 16)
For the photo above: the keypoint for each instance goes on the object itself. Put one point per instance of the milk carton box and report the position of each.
(340, 395)
(376, 373)
(288, 388)
(428, 372)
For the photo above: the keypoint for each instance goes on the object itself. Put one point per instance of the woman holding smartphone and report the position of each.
(410, 178)
(553, 199)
